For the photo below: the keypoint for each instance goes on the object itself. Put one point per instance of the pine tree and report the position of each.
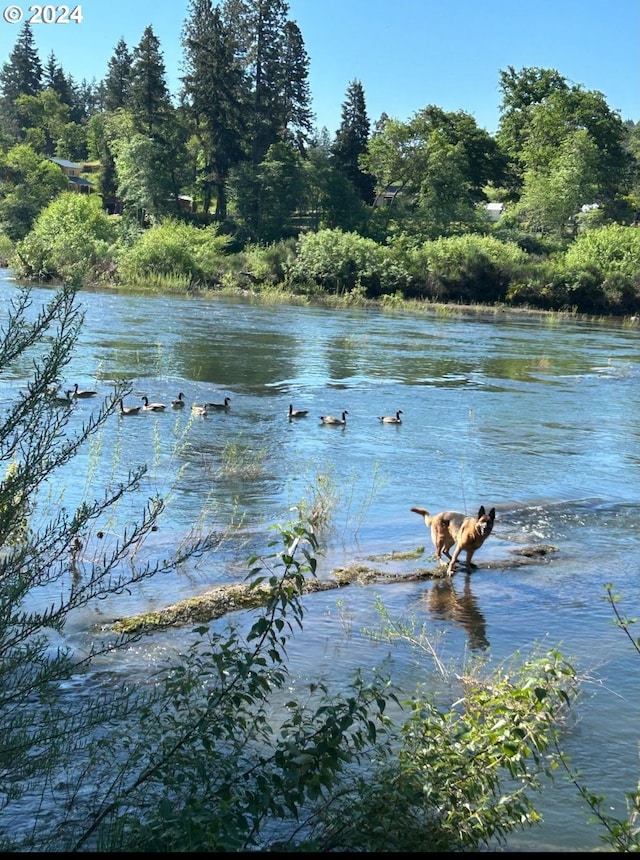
(272, 52)
(86, 99)
(298, 117)
(55, 79)
(112, 93)
(351, 141)
(215, 97)
(117, 83)
(149, 97)
(21, 75)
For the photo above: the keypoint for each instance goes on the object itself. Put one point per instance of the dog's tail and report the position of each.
(423, 513)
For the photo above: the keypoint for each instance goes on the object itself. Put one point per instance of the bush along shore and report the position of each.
(74, 241)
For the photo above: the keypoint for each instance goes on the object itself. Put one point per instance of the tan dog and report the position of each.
(468, 533)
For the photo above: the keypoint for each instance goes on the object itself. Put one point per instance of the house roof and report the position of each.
(78, 180)
(64, 163)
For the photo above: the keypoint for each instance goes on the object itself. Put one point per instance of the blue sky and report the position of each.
(406, 53)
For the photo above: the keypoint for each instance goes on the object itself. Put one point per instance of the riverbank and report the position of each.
(262, 293)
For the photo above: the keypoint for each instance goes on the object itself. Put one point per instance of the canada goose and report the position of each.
(129, 410)
(199, 409)
(59, 400)
(297, 413)
(152, 407)
(333, 419)
(224, 405)
(392, 419)
(79, 392)
(179, 403)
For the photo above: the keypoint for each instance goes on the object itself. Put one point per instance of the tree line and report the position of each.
(239, 145)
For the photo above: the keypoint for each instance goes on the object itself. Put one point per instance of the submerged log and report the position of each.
(223, 599)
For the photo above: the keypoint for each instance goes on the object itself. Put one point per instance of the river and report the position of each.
(535, 415)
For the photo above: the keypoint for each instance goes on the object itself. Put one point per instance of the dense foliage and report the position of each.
(174, 249)
(236, 149)
(72, 238)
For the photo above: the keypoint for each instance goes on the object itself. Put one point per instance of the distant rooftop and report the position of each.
(64, 163)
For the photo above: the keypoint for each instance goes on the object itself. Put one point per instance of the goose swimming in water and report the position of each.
(129, 410)
(297, 413)
(392, 419)
(80, 392)
(333, 419)
(178, 403)
(59, 400)
(152, 407)
(224, 405)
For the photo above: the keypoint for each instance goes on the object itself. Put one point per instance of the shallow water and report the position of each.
(536, 416)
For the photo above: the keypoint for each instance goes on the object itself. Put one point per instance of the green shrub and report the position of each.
(49, 737)
(72, 240)
(6, 248)
(268, 264)
(468, 268)
(173, 249)
(339, 262)
(464, 776)
(543, 286)
(602, 267)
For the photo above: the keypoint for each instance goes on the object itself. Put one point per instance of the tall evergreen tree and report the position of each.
(81, 99)
(117, 83)
(86, 99)
(272, 52)
(55, 79)
(159, 139)
(21, 75)
(114, 93)
(149, 97)
(351, 142)
(297, 116)
(215, 96)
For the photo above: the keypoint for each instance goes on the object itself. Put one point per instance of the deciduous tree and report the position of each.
(439, 163)
(27, 183)
(541, 110)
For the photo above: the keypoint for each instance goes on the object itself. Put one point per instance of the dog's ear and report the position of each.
(492, 514)
(481, 512)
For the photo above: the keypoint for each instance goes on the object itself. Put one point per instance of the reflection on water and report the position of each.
(446, 603)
